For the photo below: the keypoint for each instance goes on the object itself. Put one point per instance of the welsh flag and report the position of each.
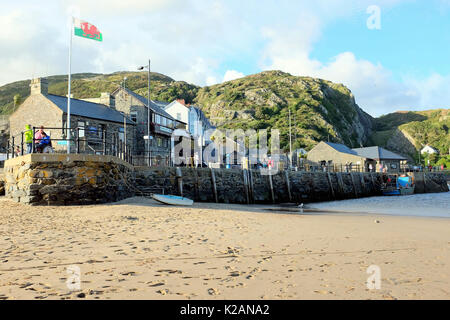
(86, 30)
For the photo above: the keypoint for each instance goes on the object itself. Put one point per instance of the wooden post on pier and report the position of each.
(244, 175)
(363, 183)
(331, 185)
(288, 185)
(271, 187)
(214, 186)
(354, 185)
(179, 180)
(252, 188)
(373, 182)
(340, 182)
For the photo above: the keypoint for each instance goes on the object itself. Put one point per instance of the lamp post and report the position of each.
(148, 113)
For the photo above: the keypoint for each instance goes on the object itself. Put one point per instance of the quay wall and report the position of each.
(242, 186)
(43, 179)
(55, 179)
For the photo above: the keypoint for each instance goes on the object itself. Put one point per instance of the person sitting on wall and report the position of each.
(38, 135)
(44, 143)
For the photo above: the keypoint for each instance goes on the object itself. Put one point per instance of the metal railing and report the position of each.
(82, 139)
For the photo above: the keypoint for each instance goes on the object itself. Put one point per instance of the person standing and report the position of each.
(29, 138)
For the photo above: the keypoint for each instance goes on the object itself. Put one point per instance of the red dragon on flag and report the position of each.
(86, 30)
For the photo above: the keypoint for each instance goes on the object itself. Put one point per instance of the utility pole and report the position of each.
(148, 117)
(290, 139)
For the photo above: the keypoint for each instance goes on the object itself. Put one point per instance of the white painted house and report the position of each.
(430, 150)
(196, 122)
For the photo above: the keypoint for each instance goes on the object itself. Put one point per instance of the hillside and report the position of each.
(320, 109)
(91, 85)
(409, 132)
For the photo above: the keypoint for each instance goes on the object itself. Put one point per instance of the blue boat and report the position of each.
(398, 186)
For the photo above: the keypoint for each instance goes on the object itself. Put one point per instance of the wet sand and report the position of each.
(137, 249)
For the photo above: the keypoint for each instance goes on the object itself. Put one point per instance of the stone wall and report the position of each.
(430, 182)
(237, 186)
(53, 179)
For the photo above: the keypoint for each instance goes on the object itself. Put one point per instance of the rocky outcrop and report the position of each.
(402, 143)
(320, 109)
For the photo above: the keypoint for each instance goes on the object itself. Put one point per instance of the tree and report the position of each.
(17, 100)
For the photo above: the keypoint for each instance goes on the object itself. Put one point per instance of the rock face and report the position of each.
(408, 132)
(320, 109)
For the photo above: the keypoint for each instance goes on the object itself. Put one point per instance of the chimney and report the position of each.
(39, 86)
(105, 98)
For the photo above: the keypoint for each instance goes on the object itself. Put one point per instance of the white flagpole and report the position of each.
(68, 91)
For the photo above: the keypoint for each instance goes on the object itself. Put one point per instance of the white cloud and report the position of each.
(373, 85)
(194, 41)
(232, 75)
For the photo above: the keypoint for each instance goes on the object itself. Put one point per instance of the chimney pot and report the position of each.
(39, 86)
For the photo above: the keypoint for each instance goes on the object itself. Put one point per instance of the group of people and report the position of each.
(41, 139)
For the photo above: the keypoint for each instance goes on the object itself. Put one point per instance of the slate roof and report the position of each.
(369, 153)
(378, 153)
(155, 106)
(88, 109)
(341, 148)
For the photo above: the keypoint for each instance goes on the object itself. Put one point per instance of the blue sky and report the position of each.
(402, 66)
(415, 38)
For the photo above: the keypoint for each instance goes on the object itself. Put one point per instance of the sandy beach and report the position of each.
(137, 249)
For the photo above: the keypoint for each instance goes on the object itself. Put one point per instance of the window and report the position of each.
(158, 119)
(121, 134)
(159, 140)
(164, 121)
(101, 129)
(133, 116)
(81, 125)
(178, 116)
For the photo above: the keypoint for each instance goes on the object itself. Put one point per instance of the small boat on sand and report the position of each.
(173, 200)
(398, 186)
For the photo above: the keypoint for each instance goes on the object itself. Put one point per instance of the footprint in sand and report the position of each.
(163, 292)
(213, 292)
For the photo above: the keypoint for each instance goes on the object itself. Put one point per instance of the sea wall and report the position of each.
(430, 182)
(42, 179)
(242, 186)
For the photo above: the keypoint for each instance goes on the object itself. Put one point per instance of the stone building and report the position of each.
(335, 154)
(162, 125)
(93, 123)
